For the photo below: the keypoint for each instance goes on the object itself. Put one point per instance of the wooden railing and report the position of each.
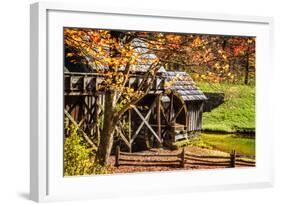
(143, 159)
(232, 160)
(83, 84)
(183, 159)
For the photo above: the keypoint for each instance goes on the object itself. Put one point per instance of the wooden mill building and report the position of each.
(166, 114)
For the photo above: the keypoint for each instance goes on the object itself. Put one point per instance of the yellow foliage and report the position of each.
(69, 54)
(197, 41)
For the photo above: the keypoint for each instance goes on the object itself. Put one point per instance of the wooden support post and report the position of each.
(88, 139)
(182, 156)
(122, 136)
(96, 116)
(232, 158)
(130, 129)
(171, 106)
(142, 123)
(117, 156)
(158, 115)
(140, 126)
(147, 124)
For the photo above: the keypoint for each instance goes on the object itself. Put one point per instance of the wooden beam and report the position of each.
(176, 115)
(171, 106)
(147, 124)
(122, 136)
(140, 126)
(142, 123)
(182, 156)
(117, 156)
(73, 106)
(163, 113)
(130, 129)
(184, 107)
(158, 114)
(88, 109)
(232, 158)
(155, 125)
(81, 122)
(95, 117)
(82, 131)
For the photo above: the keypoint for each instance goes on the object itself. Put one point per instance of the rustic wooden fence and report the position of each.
(233, 160)
(182, 159)
(143, 159)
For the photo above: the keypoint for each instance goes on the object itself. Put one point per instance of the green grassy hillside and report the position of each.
(236, 114)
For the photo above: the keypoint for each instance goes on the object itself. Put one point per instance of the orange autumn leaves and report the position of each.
(206, 57)
(98, 47)
(108, 53)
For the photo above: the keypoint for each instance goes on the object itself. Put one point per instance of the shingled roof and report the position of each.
(183, 85)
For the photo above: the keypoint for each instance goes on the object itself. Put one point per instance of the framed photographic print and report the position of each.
(147, 101)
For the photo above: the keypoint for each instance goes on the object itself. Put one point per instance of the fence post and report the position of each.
(232, 158)
(117, 156)
(182, 157)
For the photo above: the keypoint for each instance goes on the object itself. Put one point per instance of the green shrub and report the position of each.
(78, 159)
(198, 142)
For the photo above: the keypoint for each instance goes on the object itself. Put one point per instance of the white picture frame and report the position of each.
(46, 137)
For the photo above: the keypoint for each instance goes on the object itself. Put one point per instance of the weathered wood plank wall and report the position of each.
(195, 110)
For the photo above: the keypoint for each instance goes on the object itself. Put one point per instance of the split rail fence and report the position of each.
(182, 159)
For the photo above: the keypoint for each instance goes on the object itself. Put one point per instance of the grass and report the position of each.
(227, 142)
(236, 114)
(243, 144)
(194, 142)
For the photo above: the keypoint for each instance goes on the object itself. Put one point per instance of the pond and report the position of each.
(244, 144)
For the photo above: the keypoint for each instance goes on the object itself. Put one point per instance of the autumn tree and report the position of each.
(241, 54)
(204, 56)
(214, 58)
(115, 55)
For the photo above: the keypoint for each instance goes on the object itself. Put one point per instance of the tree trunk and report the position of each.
(107, 132)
